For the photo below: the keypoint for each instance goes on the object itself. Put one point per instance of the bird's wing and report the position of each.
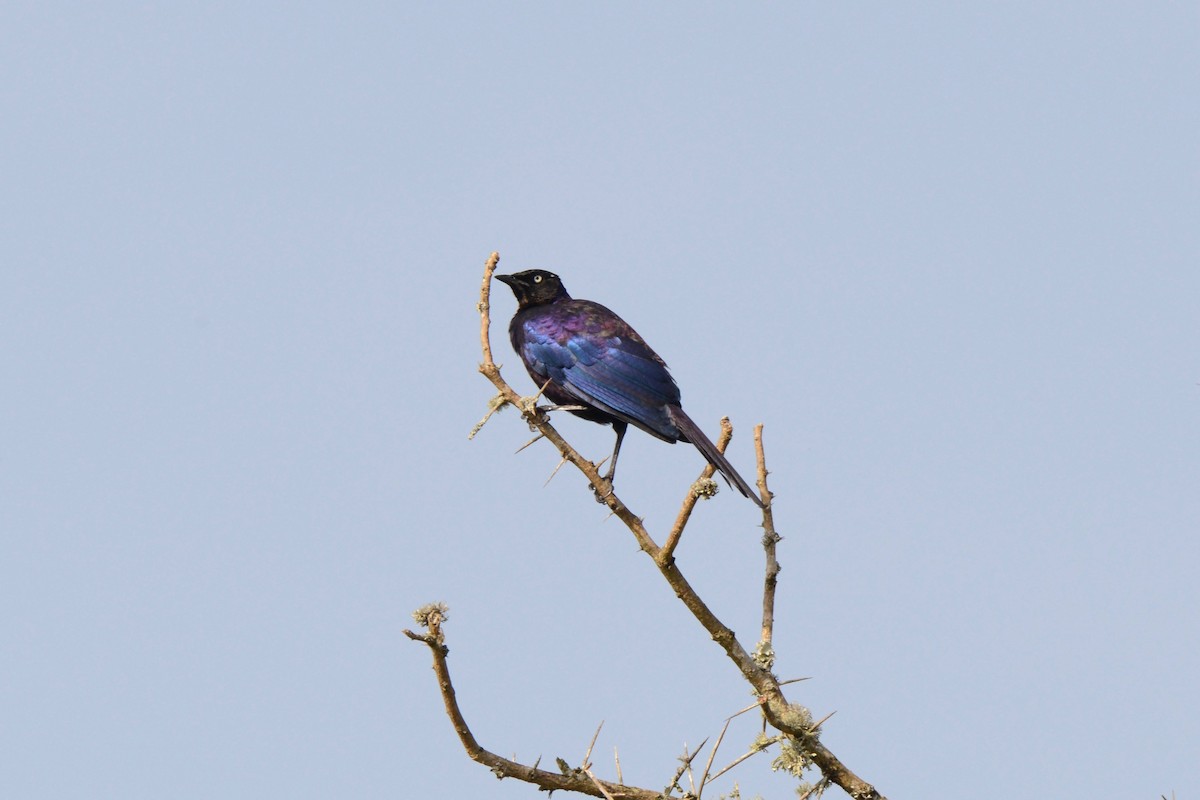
(602, 362)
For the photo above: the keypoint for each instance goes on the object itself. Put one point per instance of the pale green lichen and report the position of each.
(705, 489)
(764, 655)
(431, 613)
(793, 758)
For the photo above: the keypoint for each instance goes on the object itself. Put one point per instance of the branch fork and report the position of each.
(797, 735)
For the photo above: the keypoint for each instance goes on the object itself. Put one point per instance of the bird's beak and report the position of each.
(511, 280)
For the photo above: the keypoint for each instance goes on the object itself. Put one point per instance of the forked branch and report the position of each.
(578, 779)
(799, 734)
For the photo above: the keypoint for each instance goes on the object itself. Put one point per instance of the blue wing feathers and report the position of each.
(581, 352)
(599, 360)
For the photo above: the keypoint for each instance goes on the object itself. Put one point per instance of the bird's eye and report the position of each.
(537, 278)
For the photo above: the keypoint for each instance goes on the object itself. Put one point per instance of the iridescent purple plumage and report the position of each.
(586, 355)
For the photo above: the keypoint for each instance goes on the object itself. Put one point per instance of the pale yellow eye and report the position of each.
(537, 278)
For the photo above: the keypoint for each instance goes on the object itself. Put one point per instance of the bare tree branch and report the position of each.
(765, 652)
(689, 502)
(794, 722)
(573, 780)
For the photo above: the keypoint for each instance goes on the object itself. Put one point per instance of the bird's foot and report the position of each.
(605, 489)
(603, 492)
(528, 406)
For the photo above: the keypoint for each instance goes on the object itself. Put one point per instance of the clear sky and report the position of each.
(948, 254)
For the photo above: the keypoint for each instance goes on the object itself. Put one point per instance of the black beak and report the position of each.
(511, 280)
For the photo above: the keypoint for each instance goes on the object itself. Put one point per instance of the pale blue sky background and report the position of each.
(947, 253)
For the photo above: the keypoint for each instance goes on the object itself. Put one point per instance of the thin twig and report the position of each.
(765, 652)
(689, 502)
(484, 306)
(495, 404)
(503, 767)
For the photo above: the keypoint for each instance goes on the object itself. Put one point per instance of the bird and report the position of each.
(590, 361)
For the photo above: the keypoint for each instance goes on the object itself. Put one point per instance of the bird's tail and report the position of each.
(710, 452)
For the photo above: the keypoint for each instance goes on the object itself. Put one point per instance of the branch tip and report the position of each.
(431, 615)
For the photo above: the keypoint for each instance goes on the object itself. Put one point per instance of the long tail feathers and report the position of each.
(710, 452)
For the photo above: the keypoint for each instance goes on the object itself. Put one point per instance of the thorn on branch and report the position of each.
(596, 781)
(815, 728)
(554, 472)
(587, 757)
(531, 441)
(528, 405)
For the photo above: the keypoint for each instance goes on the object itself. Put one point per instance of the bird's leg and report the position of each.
(619, 427)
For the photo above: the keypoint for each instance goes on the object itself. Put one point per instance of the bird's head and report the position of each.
(533, 287)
